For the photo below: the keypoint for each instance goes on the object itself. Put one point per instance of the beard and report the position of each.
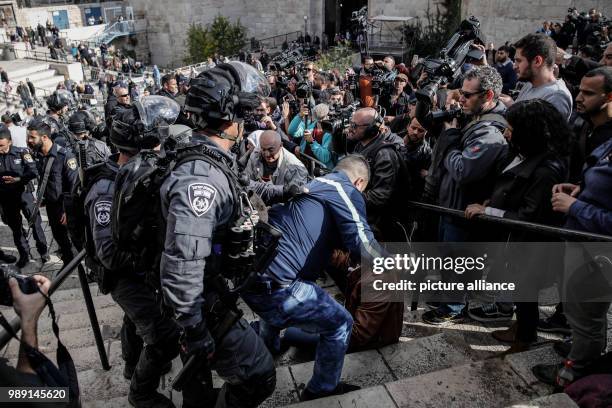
(527, 75)
(36, 147)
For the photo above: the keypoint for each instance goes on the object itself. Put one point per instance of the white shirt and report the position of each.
(18, 136)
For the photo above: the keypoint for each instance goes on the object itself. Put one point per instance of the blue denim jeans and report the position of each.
(451, 232)
(306, 306)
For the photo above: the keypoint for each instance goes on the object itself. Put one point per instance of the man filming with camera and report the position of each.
(466, 154)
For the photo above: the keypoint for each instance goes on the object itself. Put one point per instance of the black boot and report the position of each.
(145, 381)
(342, 388)
(24, 258)
(6, 258)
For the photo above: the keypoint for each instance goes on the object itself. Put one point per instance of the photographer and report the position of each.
(313, 140)
(28, 308)
(466, 155)
(396, 102)
(534, 63)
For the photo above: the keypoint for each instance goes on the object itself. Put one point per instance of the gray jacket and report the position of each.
(290, 171)
(468, 168)
(196, 200)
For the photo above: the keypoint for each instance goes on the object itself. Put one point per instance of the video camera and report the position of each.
(444, 69)
(447, 66)
(26, 284)
(286, 59)
(339, 118)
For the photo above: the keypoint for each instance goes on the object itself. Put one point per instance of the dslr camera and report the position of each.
(26, 284)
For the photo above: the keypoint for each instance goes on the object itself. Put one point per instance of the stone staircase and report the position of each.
(45, 81)
(455, 366)
(430, 367)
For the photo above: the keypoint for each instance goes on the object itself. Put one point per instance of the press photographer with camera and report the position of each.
(467, 152)
(396, 102)
(314, 142)
(28, 307)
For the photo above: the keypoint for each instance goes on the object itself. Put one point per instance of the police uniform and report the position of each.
(18, 162)
(63, 175)
(28, 207)
(197, 203)
(143, 320)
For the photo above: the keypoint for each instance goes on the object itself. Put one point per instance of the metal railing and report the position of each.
(278, 40)
(563, 233)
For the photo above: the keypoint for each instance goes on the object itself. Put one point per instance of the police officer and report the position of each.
(57, 171)
(199, 201)
(122, 275)
(96, 150)
(58, 103)
(17, 168)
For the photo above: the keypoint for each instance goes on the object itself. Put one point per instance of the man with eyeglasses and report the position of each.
(117, 102)
(384, 196)
(464, 162)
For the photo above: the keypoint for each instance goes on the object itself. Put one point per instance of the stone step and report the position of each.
(550, 401)
(50, 83)
(36, 76)
(487, 383)
(28, 68)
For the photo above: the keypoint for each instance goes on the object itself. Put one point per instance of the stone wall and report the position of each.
(505, 20)
(168, 24)
(31, 16)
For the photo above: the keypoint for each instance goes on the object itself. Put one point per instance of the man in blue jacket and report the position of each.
(286, 294)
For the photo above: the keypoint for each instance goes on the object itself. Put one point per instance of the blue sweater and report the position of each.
(592, 211)
(322, 151)
(509, 77)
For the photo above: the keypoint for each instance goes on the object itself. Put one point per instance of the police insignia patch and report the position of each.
(102, 211)
(28, 158)
(201, 198)
(72, 164)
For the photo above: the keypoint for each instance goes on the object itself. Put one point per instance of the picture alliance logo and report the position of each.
(412, 263)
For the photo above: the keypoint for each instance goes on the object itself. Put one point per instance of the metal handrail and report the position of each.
(563, 233)
(285, 37)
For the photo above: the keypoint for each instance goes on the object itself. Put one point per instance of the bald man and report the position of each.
(273, 170)
(384, 195)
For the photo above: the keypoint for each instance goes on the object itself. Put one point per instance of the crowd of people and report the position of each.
(524, 132)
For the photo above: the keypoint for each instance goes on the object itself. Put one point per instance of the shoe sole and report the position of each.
(558, 331)
(488, 320)
(447, 322)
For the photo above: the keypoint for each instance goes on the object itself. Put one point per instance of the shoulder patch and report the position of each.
(102, 211)
(72, 163)
(201, 198)
(27, 157)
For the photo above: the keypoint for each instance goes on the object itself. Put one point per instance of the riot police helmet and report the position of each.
(145, 125)
(59, 100)
(77, 123)
(225, 93)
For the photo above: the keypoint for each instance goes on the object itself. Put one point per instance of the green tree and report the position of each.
(221, 36)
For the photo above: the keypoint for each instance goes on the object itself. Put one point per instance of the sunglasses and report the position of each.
(468, 95)
(354, 125)
(122, 96)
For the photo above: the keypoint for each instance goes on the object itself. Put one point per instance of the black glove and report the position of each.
(197, 341)
(292, 190)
